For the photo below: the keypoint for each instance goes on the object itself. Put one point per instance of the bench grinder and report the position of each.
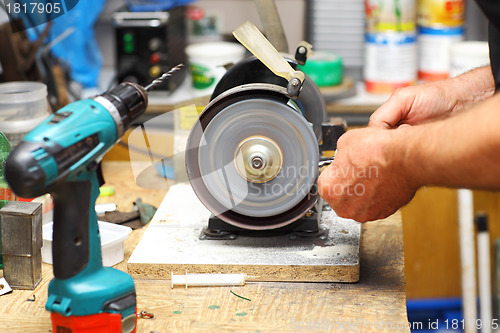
(252, 158)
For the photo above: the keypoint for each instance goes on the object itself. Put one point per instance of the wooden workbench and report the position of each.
(376, 302)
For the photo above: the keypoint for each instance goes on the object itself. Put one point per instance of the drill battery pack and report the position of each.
(97, 323)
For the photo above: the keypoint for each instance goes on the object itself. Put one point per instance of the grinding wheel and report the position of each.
(252, 159)
(252, 70)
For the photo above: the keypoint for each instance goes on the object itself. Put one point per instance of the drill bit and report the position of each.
(162, 78)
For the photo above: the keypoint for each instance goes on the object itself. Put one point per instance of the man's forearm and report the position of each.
(473, 86)
(460, 151)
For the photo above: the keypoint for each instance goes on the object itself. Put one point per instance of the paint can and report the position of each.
(441, 13)
(390, 61)
(434, 51)
(390, 45)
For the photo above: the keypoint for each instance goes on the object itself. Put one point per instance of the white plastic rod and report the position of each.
(484, 273)
(208, 280)
(467, 256)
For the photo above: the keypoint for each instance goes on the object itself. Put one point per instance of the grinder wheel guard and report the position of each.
(252, 159)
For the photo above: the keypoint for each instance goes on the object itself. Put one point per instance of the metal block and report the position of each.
(23, 272)
(21, 228)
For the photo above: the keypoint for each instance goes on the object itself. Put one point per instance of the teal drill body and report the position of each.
(62, 156)
(86, 292)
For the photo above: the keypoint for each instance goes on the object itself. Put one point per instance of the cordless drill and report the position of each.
(62, 157)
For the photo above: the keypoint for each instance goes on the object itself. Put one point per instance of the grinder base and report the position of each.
(171, 244)
(306, 226)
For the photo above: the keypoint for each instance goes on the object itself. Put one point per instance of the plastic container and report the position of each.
(112, 238)
(23, 105)
(468, 55)
(324, 68)
(434, 315)
(206, 61)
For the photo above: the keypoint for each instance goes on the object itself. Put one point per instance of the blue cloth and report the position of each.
(79, 49)
(155, 5)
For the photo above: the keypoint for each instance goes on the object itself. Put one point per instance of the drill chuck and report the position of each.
(125, 102)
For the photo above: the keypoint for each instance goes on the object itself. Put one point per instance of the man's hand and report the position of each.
(415, 105)
(367, 180)
(434, 100)
(378, 169)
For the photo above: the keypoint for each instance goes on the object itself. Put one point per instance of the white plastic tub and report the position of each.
(112, 238)
(468, 55)
(206, 61)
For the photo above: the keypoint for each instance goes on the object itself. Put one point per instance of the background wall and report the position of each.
(231, 12)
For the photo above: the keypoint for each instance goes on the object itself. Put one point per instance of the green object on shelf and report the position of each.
(324, 68)
(5, 192)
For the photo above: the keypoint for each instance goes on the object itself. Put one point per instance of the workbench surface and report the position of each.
(376, 303)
